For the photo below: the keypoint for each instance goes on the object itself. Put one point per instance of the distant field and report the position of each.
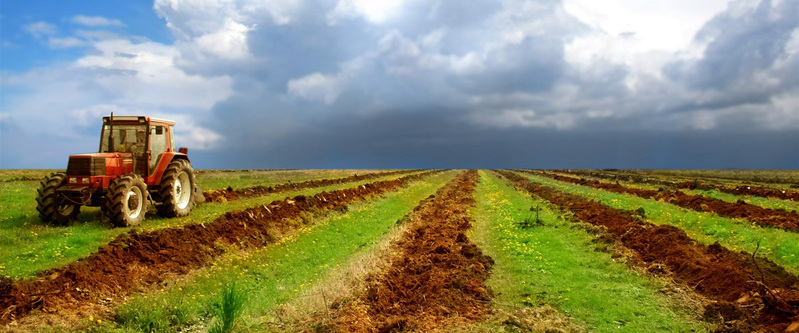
(416, 250)
(776, 177)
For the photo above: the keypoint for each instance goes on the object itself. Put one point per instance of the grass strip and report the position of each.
(214, 179)
(715, 193)
(778, 245)
(229, 194)
(557, 263)
(766, 217)
(770, 203)
(29, 246)
(276, 274)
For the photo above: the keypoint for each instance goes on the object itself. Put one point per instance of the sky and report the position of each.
(409, 83)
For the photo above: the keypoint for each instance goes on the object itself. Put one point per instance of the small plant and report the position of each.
(230, 309)
(531, 221)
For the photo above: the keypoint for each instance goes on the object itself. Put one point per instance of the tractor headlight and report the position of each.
(73, 180)
(85, 180)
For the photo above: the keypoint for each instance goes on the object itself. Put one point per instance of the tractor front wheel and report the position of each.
(176, 195)
(126, 201)
(52, 207)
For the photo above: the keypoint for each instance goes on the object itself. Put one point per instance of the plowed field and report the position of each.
(410, 251)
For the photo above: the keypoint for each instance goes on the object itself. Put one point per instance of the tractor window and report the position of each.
(158, 143)
(172, 137)
(127, 139)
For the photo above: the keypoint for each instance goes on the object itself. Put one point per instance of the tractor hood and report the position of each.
(98, 164)
(101, 155)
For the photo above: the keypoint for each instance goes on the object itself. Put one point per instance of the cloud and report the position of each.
(65, 103)
(96, 21)
(40, 28)
(229, 42)
(443, 83)
(317, 87)
(750, 61)
(373, 11)
(67, 42)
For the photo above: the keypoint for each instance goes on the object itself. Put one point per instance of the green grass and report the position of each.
(277, 274)
(216, 179)
(770, 203)
(29, 246)
(777, 245)
(772, 178)
(556, 264)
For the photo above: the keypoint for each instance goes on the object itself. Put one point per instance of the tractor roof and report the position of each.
(140, 119)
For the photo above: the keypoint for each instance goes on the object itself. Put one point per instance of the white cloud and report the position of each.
(118, 76)
(39, 29)
(188, 133)
(97, 34)
(149, 68)
(229, 42)
(96, 21)
(317, 87)
(66, 42)
(668, 25)
(376, 12)
(643, 35)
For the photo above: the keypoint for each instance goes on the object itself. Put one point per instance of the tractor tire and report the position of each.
(53, 209)
(176, 195)
(126, 201)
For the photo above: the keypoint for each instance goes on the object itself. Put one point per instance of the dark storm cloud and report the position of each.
(393, 98)
(403, 140)
(746, 57)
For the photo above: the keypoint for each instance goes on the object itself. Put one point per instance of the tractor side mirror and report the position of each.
(183, 150)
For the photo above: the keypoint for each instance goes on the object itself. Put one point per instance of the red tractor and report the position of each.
(137, 163)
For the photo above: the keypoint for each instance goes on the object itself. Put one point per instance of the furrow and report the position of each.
(749, 190)
(763, 216)
(437, 276)
(751, 292)
(138, 259)
(230, 194)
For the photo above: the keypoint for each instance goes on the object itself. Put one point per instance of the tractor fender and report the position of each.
(167, 158)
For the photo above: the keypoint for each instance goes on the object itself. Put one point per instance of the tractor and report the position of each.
(136, 165)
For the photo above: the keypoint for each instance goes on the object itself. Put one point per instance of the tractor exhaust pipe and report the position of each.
(111, 133)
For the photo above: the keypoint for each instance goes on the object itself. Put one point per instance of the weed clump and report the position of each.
(229, 309)
(532, 219)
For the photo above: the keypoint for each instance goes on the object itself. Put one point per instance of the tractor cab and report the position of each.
(136, 162)
(145, 139)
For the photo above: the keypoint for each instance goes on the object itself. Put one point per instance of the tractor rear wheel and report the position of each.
(126, 201)
(176, 195)
(52, 207)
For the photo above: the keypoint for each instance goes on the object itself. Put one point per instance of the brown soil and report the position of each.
(766, 296)
(761, 192)
(229, 194)
(134, 259)
(435, 279)
(740, 209)
(750, 190)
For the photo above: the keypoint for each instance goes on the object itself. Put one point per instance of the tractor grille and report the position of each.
(86, 166)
